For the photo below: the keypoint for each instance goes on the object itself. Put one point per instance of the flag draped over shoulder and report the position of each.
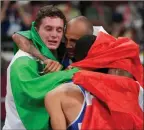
(39, 44)
(109, 52)
(114, 99)
(114, 104)
(29, 88)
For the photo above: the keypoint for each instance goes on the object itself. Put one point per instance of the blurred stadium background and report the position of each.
(119, 18)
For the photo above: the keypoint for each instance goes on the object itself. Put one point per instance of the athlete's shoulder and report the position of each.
(69, 87)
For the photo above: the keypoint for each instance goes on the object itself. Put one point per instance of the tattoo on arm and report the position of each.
(35, 52)
(27, 46)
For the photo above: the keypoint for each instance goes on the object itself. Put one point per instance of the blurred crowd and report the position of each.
(119, 18)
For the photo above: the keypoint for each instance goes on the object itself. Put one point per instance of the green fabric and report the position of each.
(37, 41)
(29, 90)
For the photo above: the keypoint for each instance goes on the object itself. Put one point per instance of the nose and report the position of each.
(69, 44)
(54, 34)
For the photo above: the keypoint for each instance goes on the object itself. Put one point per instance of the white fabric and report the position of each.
(97, 29)
(12, 120)
(141, 97)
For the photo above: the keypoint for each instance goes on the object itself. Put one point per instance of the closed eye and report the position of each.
(48, 28)
(59, 29)
(73, 40)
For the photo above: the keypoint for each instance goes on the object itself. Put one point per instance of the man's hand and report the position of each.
(69, 67)
(51, 66)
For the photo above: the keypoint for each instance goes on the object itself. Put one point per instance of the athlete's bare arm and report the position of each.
(64, 104)
(54, 108)
(27, 46)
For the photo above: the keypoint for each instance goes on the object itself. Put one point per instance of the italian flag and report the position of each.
(26, 88)
(113, 102)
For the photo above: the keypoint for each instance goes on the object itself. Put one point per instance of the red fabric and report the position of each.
(109, 52)
(115, 105)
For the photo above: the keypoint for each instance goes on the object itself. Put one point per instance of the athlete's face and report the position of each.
(51, 31)
(74, 31)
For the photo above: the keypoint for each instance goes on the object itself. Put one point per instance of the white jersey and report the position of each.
(12, 120)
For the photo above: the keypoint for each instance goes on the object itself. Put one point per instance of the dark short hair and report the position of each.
(49, 11)
(82, 46)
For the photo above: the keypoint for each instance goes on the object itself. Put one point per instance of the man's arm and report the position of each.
(54, 108)
(27, 46)
(63, 104)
